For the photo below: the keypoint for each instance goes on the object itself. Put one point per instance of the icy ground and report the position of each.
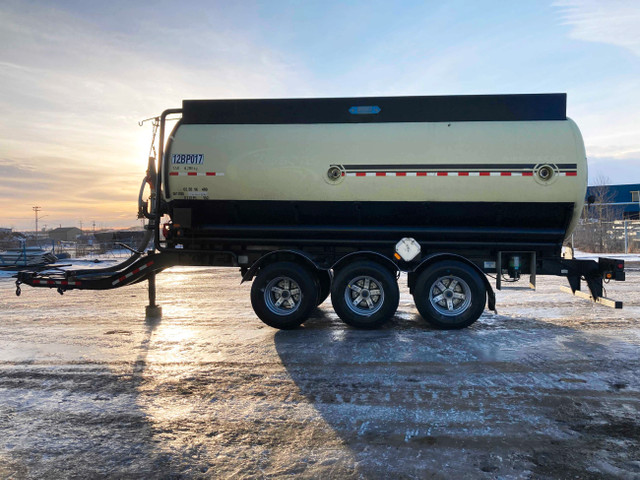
(627, 257)
(548, 388)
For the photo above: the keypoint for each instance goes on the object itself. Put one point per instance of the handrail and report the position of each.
(156, 209)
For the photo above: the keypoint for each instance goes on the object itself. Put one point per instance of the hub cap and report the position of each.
(282, 296)
(364, 295)
(450, 296)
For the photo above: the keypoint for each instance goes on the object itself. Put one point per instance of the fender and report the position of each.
(367, 254)
(491, 296)
(249, 274)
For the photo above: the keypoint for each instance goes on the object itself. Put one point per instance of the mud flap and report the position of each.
(491, 300)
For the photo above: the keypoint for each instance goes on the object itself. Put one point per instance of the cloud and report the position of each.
(67, 194)
(72, 90)
(614, 22)
(615, 170)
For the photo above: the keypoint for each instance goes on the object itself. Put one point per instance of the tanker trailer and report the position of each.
(337, 196)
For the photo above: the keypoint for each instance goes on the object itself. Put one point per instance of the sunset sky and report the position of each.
(76, 76)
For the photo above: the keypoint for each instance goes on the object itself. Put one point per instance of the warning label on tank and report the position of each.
(187, 158)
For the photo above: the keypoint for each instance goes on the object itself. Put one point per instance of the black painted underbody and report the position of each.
(438, 226)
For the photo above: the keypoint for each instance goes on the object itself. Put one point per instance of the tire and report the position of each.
(373, 309)
(325, 278)
(283, 295)
(450, 295)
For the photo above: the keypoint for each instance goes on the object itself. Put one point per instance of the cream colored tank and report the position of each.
(476, 161)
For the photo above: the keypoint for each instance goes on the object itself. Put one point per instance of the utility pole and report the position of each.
(36, 210)
(626, 237)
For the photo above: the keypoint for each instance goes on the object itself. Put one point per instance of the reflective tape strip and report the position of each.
(196, 174)
(56, 282)
(397, 174)
(131, 273)
(444, 174)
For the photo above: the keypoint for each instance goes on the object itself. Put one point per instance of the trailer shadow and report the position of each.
(136, 453)
(79, 419)
(505, 397)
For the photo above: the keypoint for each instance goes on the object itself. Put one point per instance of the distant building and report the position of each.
(109, 240)
(65, 234)
(125, 236)
(622, 200)
(5, 231)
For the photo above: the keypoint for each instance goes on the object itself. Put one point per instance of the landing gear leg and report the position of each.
(152, 310)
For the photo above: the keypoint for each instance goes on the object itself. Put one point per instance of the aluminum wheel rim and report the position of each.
(364, 295)
(282, 296)
(450, 296)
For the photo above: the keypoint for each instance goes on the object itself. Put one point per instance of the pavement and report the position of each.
(547, 388)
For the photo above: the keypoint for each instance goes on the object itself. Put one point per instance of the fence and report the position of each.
(620, 236)
(9, 242)
(106, 244)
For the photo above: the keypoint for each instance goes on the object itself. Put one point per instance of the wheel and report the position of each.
(283, 295)
(450, 295)
(325, 277)
(365, 294)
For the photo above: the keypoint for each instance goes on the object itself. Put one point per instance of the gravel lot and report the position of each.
(548, 388)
